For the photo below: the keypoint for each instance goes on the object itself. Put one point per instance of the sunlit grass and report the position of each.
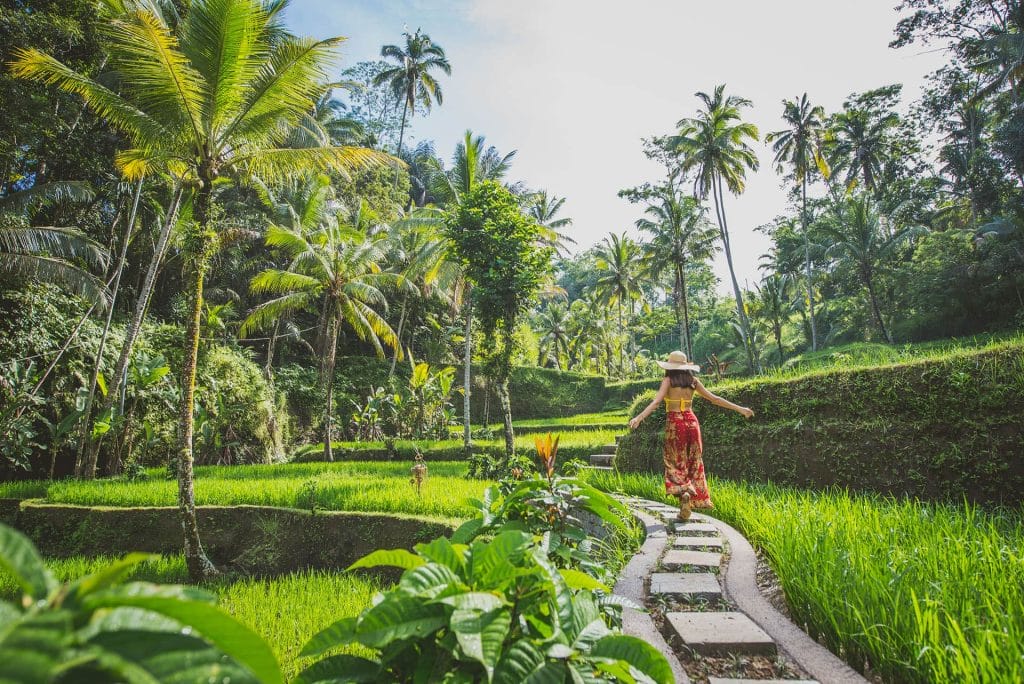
(286, 611)
(350, 486)
(921, 592)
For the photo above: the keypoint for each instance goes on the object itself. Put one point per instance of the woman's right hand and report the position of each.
(747, 413)
(634, 422)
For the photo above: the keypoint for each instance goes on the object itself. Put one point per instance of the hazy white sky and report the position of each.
(574, 85)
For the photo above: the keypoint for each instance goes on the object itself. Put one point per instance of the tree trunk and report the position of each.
(85, 462)
(807, 268)
(132, 334)
(401, 129)
(686, 310)
(503, 394)
(199, 566)
(467, 436)
(719, 200)
(401, 325)
(328, 382)
(622, 361)
(868, 280)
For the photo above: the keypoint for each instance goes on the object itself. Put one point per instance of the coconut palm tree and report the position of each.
(858, 236)
(552, 324)
(411, 79)
(861, 144)
(619, 261)
(50, 254)
(335, 271)
(206, 98)
(800, 146)
(773, 303)
(680, 234)
(714, 145)
(544, 209)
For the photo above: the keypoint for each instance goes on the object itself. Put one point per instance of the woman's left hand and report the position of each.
(634, 422)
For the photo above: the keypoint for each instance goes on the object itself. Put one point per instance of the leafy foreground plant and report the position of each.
(495, 611)
(99, 629)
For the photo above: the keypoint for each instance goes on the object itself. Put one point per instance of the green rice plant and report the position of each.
(918, 592)
(355, 486)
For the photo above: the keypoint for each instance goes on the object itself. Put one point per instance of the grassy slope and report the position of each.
(921, 592)
(356, 486)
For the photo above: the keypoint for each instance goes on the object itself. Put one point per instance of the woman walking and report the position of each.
(684, 466)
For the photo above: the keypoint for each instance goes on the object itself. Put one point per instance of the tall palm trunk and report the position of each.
(741, 312)
(141, 305)
(622, 361)
(199, 566)
(85, 463)
(398, 334)
(807, 267)
(869, 282)
(328, 382)
(401, 129)
(684, 301)
(467, 433)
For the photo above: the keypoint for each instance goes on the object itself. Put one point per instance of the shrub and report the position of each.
(942, 429)
(99, 629)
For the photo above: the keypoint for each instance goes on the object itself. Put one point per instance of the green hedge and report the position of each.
(947, 429)
(540, 393)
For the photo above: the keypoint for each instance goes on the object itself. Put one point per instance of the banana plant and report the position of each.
(496, 611)
(100, 628)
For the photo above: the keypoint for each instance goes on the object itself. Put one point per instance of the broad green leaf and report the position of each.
(523, 663)
(19, 557)
(467, 531)
(107, 576)
(101, 382)
(442, 551)
(481, 635)
(559, 651)
(473, 600)
(399, 617)
(428, 581)
(342, 669)
(32, 646)
(590, 633)
(495, 562)
(561, 595)
(637, 653)
(220, 629)
(584, 672)
(165, 657)
(338, 634)
(581, 580)
(399, 558)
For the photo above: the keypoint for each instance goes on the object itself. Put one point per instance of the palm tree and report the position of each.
(862, 145)
(49, 254)
(714, 145)
(680, 233)
(800, 145)
(204, 99)
(544, 209)
(335, 271)
(773, 302)
(858, 236)
(552, 324)
(411, 79)
(619, 261)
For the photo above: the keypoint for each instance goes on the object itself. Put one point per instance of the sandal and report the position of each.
(684, 507)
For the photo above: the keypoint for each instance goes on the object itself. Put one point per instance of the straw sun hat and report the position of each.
(677, 361)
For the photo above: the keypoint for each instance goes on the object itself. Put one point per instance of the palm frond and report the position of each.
(58, 272)
(275, 281)
(270, 312)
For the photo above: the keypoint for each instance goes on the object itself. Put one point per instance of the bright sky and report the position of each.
(574, 86)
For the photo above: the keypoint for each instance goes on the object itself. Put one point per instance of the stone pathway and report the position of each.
(697, 580)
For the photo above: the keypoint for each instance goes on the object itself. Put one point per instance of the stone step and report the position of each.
(687, 585)
(608, 469)
(692, 528)
(721, 633)
(721, 680)
(608, 449)
(697, 542)
(602, 459)
(677, 559)
(618, 438)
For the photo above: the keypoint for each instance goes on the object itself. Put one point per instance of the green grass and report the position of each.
(603, 418)
(286, 611)
(350, 486)
(921, 592)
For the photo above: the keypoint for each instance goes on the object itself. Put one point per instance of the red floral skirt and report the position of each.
(684, 466)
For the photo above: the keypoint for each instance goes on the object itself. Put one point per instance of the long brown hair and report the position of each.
(681, 378)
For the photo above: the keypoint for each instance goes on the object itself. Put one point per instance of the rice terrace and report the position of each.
(470, 341)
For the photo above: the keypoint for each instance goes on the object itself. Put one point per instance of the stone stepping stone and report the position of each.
(608, 449)
(697, 542)
(721, 633)
(601, 459)
(703, 560)
(687, 585)
(696, 529)
(720, 680)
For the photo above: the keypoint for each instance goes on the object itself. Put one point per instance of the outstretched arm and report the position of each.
(662, 391)
(719, 401)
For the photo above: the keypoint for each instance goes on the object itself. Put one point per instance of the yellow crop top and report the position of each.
(684, 404)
